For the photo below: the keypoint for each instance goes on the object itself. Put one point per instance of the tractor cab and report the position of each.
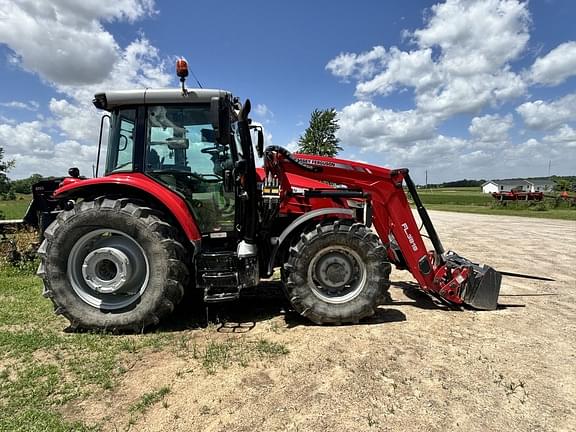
(194, 142)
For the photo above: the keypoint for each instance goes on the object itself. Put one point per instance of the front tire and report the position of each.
(112, 264)
(337, 273)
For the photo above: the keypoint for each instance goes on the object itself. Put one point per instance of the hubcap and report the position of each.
(337, 274)
(108, 269)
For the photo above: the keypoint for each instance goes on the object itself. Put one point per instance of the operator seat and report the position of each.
(153, 160)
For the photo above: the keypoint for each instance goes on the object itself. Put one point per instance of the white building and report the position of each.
(520, 185)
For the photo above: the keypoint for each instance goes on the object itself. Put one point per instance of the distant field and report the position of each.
(455, 196)
(472, 200)
(15, 209)
(463, 200)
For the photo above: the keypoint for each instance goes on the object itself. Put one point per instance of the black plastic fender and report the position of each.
(296, 223)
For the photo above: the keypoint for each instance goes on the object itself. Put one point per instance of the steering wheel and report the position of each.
(211, 150)
(216, 177)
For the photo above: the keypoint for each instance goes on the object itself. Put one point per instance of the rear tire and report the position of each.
(337, 273)
(112, 264)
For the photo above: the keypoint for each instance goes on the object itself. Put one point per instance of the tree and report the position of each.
(24, 186)
(5, 166)
(563, 183)
(320, 136)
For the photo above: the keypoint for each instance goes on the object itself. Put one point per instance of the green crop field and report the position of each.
(15, 209)
(455, 196)
(472, 200)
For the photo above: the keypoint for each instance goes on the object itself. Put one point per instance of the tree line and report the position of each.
(9, 188)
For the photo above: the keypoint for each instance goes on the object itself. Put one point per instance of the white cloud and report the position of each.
(545, 116)
(556, 66)
(35, 151)
(63, 40)
(462, 60)
(476, 36)
(6, 120)
(363, 124)
(30, 105)
(433, 152)
(565, 134)
(26, 138)
(408, 69)
(76, 121)
(363, 65)
(292, 146)
(460, 95)
(491, 128)
(68, 137)
(262, 113)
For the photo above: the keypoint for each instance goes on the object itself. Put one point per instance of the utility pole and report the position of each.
(426, 179)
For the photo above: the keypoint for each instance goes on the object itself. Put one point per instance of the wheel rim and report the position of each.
(337, 274)
(108, 269)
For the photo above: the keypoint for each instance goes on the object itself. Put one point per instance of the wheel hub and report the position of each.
(334, 270)
(106, 270)
(337, 274)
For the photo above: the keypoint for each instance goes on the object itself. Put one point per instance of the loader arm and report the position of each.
(447, 275)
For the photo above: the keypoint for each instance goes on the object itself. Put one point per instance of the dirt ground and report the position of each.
(414, 366)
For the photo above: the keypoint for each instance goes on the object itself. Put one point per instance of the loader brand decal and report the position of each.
(409, 237)
(324, 163)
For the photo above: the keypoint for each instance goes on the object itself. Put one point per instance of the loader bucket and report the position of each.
(482, 289)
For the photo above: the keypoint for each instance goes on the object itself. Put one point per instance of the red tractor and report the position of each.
(182, 206)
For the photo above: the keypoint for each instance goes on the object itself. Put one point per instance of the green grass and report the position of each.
(15, 209)
(565, 214)
(455, 196)
(43, 369)
(149, 399)
(216, 355)
(472, 200)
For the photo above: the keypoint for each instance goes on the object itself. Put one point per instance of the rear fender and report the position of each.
(138, 186)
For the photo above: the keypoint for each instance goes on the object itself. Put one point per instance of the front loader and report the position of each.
(182, 207)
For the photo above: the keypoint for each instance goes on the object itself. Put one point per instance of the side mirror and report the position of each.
(220, 119)
(259, 138)
(260, 143)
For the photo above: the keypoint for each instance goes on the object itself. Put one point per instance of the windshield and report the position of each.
(183, 139)
(183, 153)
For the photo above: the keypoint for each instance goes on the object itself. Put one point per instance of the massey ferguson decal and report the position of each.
(324, 163)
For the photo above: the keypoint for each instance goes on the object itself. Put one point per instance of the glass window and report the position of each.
(121, 142)
(184, 154)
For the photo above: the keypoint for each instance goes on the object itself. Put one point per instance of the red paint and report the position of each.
(175, 204)
(391, 211)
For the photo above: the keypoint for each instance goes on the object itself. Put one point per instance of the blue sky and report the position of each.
(476, 89)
